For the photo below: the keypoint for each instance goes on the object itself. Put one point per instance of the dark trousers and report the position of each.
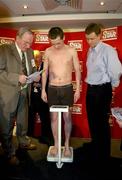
(7, 122)
(40, 107)
(98, 102)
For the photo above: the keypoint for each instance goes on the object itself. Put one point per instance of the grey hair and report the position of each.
(23, 30)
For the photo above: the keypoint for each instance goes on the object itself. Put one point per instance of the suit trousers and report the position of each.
(7, 123)
(22, 118)
(39, 106)
(98, 102)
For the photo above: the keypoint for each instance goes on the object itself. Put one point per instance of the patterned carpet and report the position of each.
(34, 165)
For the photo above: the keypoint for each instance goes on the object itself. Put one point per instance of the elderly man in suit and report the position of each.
(16, 63)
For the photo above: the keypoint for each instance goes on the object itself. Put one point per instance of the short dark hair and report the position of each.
(55, 32)
(93, 27)
(23, 30)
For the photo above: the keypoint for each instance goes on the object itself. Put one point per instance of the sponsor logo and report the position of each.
(41, 38)
(109, 34)
(77, 109)
(77, 44)
(6, 40)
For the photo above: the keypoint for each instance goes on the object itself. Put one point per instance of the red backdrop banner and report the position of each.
(112, 36)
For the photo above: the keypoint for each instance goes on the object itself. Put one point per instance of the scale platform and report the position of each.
(59, 108)
(63, 158)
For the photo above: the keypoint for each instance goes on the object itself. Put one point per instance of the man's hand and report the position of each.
(44, 96)
(22, 79)
(76, 96)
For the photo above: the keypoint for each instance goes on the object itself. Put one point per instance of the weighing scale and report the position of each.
(59, 158)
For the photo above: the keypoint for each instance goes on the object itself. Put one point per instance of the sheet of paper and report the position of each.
(33, 76)
(117, 113)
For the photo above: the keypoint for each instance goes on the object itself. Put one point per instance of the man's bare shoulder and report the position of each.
(48, 50)
(70, 49)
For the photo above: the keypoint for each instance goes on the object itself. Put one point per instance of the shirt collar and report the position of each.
(97, 47)
(18, 49)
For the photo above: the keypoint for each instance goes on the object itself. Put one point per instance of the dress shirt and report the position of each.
(103, 65)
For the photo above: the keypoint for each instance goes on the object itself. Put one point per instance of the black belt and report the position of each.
(99, 85)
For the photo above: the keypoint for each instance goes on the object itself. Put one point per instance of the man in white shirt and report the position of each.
(103, 73)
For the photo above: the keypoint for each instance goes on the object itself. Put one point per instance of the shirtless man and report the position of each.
(60, 59)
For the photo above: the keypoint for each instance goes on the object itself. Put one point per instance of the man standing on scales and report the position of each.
(60, 59)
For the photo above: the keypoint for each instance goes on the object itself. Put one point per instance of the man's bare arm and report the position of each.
(77, 75)
(44, 78)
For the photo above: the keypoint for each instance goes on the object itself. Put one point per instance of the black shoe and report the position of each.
(30, 146)
(14, 161)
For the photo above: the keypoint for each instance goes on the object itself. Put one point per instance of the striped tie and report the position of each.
(24, 69)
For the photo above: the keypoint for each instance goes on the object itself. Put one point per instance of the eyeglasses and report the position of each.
(27, 43)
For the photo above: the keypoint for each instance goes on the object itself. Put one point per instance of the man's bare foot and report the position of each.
(53, 151)
(67, 152)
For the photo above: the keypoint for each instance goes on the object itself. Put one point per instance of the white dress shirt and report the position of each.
(103, 65)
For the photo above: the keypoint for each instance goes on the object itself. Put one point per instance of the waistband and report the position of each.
(99, 85)
(64, 86)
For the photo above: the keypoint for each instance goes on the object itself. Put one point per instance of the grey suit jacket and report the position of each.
(10, 69)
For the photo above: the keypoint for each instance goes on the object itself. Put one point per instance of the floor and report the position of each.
(34, 165)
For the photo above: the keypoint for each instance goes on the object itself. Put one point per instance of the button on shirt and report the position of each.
(103, 65)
